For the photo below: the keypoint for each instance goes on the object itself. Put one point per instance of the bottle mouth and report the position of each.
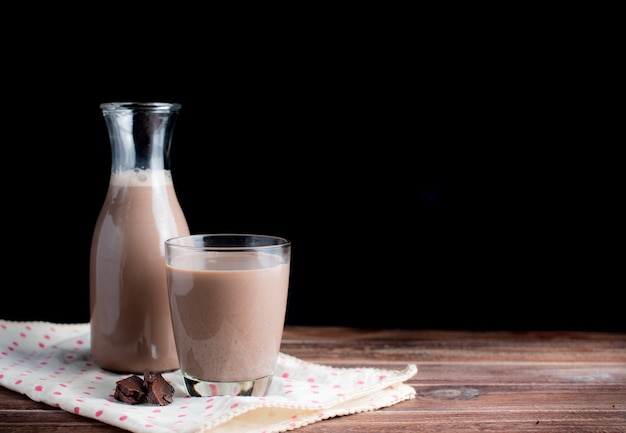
(148, 106)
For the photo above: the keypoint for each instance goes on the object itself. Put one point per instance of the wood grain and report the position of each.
(468, 381)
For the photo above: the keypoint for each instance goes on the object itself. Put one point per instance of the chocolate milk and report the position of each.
(130, 317)
(228, 322)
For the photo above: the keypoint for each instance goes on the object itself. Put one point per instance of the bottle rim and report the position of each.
(149, 106)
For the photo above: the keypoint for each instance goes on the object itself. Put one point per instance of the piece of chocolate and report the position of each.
(153, 389)
(130, 390)
(158, 390)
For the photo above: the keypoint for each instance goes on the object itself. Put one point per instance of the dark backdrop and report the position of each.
(422, 185)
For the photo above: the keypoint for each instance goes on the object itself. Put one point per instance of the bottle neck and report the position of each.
(140, 135)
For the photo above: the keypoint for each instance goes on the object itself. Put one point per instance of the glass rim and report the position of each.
(190, 241)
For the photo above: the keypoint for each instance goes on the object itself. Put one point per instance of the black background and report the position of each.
(426, 180)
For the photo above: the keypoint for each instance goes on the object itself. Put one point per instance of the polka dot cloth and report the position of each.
(52, 363)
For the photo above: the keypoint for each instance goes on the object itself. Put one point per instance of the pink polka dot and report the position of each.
(1, 376)
(18, 382)
(38, 388)
(47, 337)
(382, 377)
(77, 410)
(22, 335)
(234, 405)
(123, 418)
(310, 379)
(285, 375)
(57, 393)
(98, 413)
(41, 345)
(28, 327)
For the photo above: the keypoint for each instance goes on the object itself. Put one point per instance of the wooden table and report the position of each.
(468, 381)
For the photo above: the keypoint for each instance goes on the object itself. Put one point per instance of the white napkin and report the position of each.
(51, 363)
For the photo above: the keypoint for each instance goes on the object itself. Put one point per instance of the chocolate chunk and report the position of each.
(153, 389)
(130, 390)
(159, 391)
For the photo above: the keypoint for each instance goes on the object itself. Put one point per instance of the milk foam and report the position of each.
(140, 177)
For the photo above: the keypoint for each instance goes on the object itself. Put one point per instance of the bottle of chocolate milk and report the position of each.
(129, 309)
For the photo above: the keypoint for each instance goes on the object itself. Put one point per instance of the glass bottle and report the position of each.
(129, 312)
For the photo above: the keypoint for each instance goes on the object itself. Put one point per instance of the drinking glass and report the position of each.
(228, 300)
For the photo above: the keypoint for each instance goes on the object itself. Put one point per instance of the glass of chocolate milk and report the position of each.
(228, 300)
